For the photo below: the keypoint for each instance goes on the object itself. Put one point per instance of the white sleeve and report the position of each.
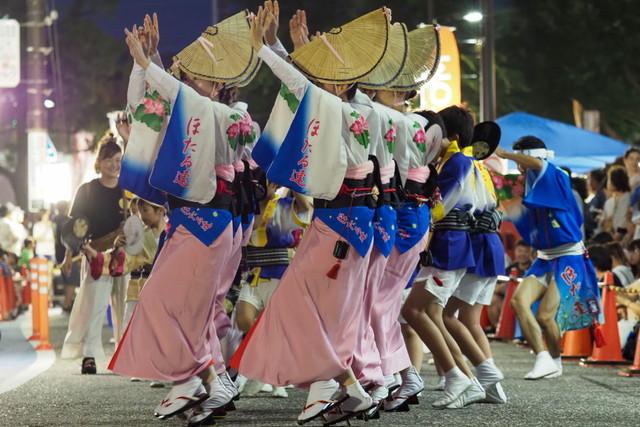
(135, 90)
(293, 79)
(279, 49)
(167, 85)
(156, 59)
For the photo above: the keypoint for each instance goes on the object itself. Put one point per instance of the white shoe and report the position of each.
(473, 394)
(181, 397)
(240, 382)
(279, 392)
(452, 390)
(543, 367)
(319, 400)
(379, 393)
(412, 384)
(558, 363)
(135, 380)
(495, 394)
(391, 383)
(156, 384)
(219, 397)
(439, 386)
(229, 384)
(252, 387)
(266, 388)
(357, 401)
(488, 374)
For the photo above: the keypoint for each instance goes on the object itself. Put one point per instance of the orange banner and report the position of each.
(444, 89)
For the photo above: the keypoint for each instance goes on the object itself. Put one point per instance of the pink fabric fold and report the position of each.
(238, 166)
(387, 172)
(170, 332)
(420, 174)
(226, 172)
(360, 171)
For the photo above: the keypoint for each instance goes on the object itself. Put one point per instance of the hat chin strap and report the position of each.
(540, 153)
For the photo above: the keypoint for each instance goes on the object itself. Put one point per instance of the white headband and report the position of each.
(540, 153)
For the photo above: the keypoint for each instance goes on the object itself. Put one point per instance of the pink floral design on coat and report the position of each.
(359, 126)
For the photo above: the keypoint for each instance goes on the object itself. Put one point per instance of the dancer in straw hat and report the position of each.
(171, 335)
(413, 150)
(562, 277)
(311, 323)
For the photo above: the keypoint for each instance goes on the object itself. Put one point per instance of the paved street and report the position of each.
(582, 397)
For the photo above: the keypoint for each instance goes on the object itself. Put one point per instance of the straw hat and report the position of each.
(424, 56)
(252, 71)
(345, 54)
(223, 53)
(392, 62)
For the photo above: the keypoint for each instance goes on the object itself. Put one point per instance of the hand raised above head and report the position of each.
(271, 31)
(136, 48)
(152, 31)
(256, 22)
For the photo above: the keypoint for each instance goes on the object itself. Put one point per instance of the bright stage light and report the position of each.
(473, 16)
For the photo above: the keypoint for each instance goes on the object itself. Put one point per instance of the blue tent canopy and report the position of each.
(578, 149)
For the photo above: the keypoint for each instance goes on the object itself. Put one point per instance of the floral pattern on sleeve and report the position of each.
(390, 137)
(360, 129)
(152, 110)
(241, 130)
(419, 137)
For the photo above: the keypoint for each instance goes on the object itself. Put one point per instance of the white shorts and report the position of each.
(405, 295)
(441, 283)
(474, 289)
(259, 295)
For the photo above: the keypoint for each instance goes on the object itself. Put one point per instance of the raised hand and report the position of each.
(152, 30)
(271, 31)
(258, 24)
(123, 127)
(298, 29)
(136, 50)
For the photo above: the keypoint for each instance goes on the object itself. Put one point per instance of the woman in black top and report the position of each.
(101, 202)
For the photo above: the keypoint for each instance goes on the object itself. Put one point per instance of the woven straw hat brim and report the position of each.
(423, 60)
(223, 52)
(345, 54)
(392, 62)
(252, 71)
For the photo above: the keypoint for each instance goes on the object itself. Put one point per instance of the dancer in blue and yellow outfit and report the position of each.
(562, 276)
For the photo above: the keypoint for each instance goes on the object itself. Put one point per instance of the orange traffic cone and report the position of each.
(577, 344)
(634, 370)
(4, 300)
(43, 302)
(35, 306)
(609, 353)
(485, 323)
(507, 322)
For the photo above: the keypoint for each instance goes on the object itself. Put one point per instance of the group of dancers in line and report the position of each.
(372, 197)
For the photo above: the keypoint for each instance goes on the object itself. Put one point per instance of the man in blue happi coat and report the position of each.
(562, 277)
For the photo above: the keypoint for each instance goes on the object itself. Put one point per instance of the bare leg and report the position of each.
(470, 317)
(69, 295)
(495, 308)
(547, 319)
(460, 333)
(528, 292)
(414, 311)
(414, 346)
(246, 315)
(435, 312)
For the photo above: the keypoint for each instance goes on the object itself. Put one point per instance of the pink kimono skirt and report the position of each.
(387, 305)
(309, 329)
(366, 364)
(170, 333)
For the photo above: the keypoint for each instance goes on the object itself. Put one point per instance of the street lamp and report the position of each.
(473, 16)
(49, 103)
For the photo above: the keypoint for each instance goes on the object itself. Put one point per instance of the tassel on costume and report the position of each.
(333, 273)
(598, 335)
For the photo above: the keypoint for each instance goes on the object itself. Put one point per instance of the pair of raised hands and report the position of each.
(266, 21)
(143, 40)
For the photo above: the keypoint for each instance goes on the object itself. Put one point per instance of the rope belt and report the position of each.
(264, 257)
(487, 222)
(455, 220)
